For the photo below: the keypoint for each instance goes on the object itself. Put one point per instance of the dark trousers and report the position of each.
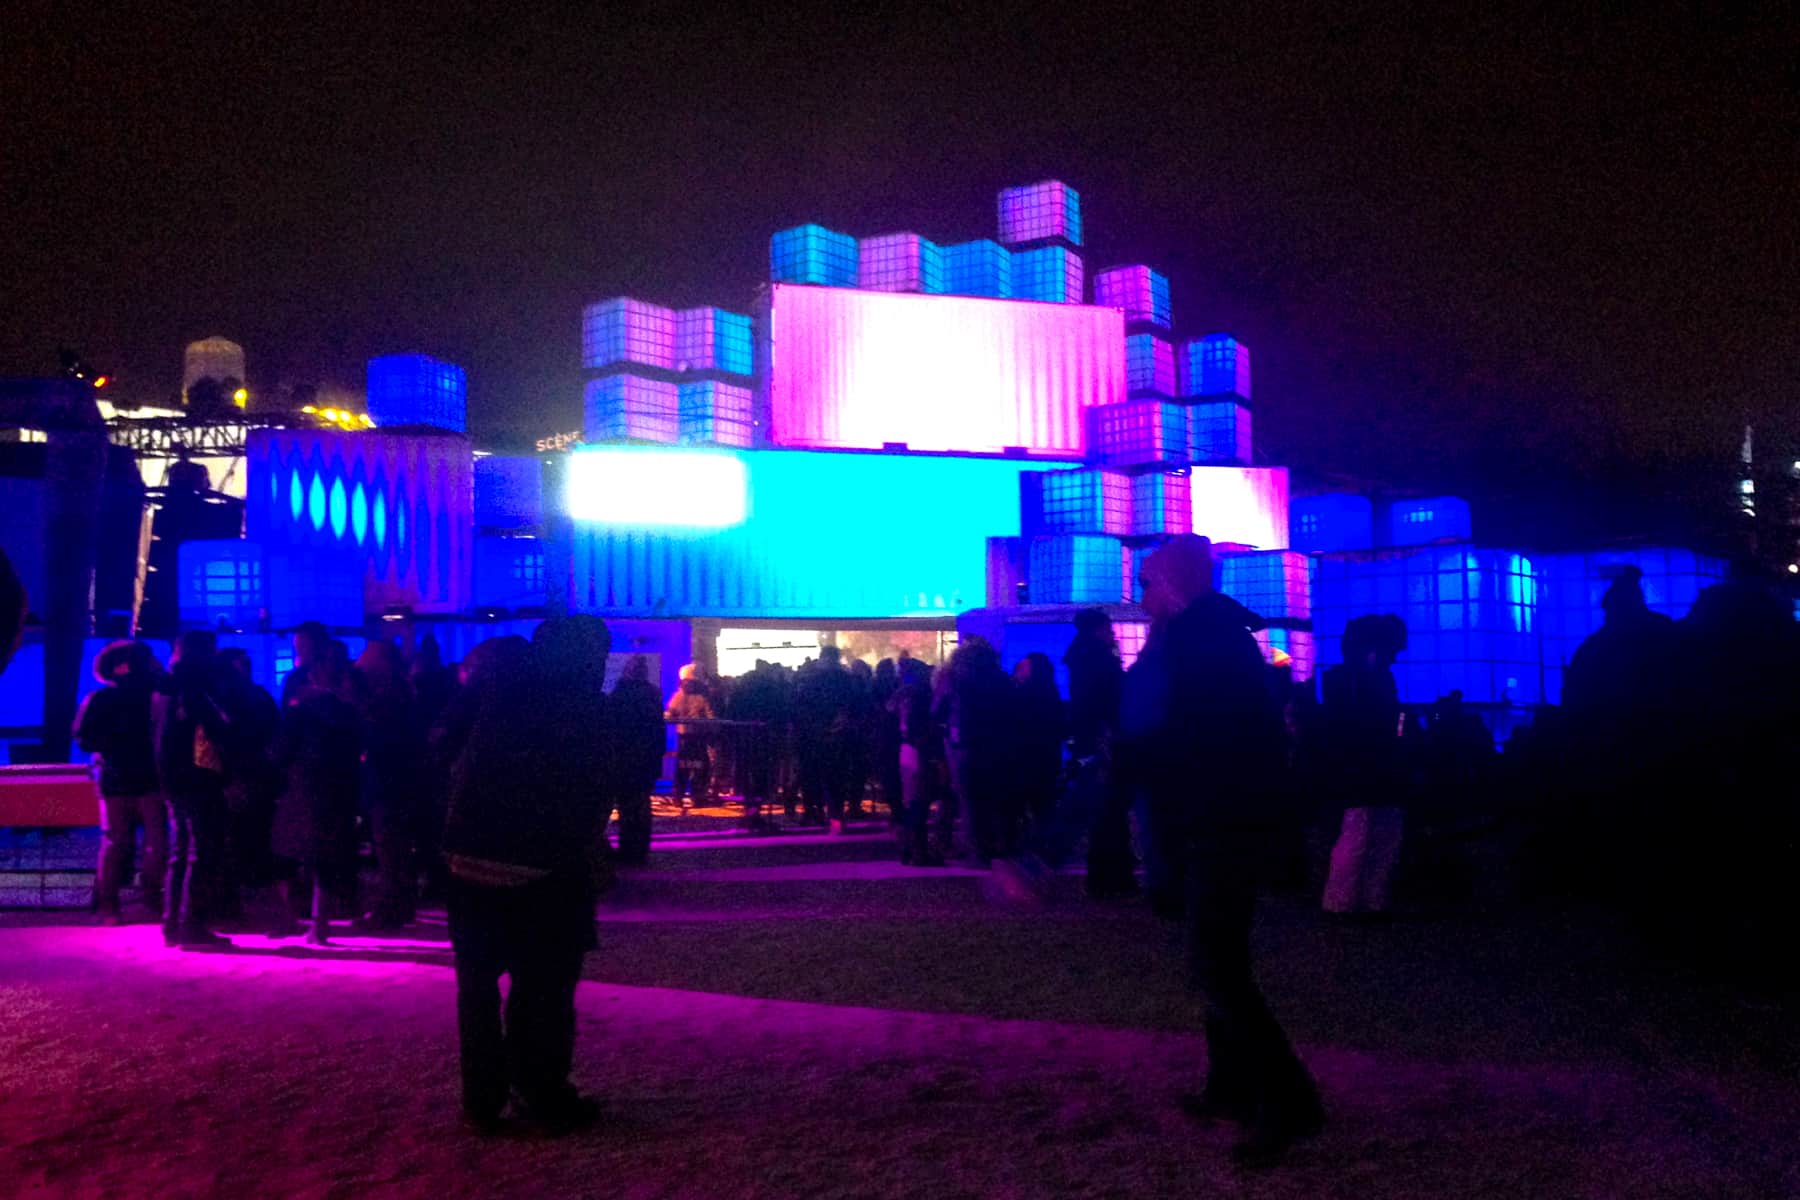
(982, 794)
(118, 815)
(693, 767)
(1251, 1066)
(537, 934)
(196, 856)
(396, 900)
(634, 819)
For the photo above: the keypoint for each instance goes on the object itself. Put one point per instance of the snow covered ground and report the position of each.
(773, 1019)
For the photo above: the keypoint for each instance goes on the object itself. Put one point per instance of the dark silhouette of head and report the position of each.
(1624, 597)
(573, 647)
(1176, 574)
(637, 669)
(830, 656)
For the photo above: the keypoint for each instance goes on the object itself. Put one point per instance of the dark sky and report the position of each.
(1548, 237)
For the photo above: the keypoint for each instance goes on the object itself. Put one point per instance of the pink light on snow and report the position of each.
(856, 370)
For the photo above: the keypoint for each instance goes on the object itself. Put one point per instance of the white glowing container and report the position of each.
(650, 489)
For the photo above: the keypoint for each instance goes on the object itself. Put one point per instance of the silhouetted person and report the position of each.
(311, 641)
(1038, 728)
(523, 815)
(319, 751)
(859, 736)
(760, 698)
(974, 704)
(114, 726)
(13, 607)
(824, 730)
(1360, 727)
(251, 779)
(1098, 803)
(920, 758)
(636, 718)
(191, 731)
(393, 738)
(693, 765)
(1200, 732)
(434, 686)
(884, 737)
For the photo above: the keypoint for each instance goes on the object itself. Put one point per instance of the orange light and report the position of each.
(100, 381)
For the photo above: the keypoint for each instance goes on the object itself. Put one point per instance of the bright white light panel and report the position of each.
(1141, 292)
(630, 408)
(1038, 211)
(623, 330)
(899, 262)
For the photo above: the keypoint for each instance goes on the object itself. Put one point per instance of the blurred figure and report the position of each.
(434, 686)
(311, 642)
(393, 740)
(1200, 732)
(974, 704)
(1099, 805)
(1038, 743)
(824, 718)
(523, 819)
(1360, 718)
(693, 765)
(859, 737)
(191, 731)
(114, 727)
(884, 737)
(920, 758)
(319, 751)
(760, 698)
(636, 717)
(251, 780)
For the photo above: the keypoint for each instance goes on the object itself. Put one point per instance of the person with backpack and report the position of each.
(191, 733)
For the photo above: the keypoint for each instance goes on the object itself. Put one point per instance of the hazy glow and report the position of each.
(850, 369)
(654, 488)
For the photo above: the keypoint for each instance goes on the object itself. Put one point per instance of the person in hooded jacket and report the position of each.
(319, 750)
(114, 726)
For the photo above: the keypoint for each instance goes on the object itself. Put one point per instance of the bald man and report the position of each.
(1201, 734)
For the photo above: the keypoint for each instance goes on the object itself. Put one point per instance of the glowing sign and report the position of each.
(559, 441)
(858, 370)
(648, 488)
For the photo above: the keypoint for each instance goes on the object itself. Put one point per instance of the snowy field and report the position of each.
(793, 1020)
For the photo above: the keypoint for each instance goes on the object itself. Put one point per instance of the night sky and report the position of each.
(1520, 240)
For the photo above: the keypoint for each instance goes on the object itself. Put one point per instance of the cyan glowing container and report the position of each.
(1215, 365)
(1048, 273)
(623, 330)
(1274, 584)
(1162, 504)
(630, 408)
(711, 339)
(1149, 366)
(1138, 433)
(1088, 500)
(978, 268)
(1039, 211)
(813, 254)
(1078, 569)
(417, 389)
(899, 262)
(1141, 292)
(1219, 434)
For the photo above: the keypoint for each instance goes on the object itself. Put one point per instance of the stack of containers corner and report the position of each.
(666, 377)
(1277, 586)
(1214, 379)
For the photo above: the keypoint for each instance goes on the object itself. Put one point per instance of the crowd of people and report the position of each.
(491, 785)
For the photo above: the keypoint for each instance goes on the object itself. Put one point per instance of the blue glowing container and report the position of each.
(1274, 584)
(1149, 366)
(1331, 521)
(509, 573)
(1571, 587)
(221, 584)
(899, 262)
(1078, 569)
(1162, 504)
(1215, 365)
(1139, 433)
(1141, 292)
(1419, 522)
(623, 330)
(715, 414)
(417, 389)
(1038, 212)
(813, 254)
(509, 491)
(1049, 273)
(629, 408)
(1088, 500)
(979, 268)
(711, 339)
(314, 583)
(1219, 434)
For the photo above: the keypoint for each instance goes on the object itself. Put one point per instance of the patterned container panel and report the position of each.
(1049, 273)
(1274, 584)
(1083, 501)
(1038, 211)
(1141, 292)
(711, 339)
(623, 330)
(899, 262)
(813, 254)
(1078, 569)
(1215, 365)
(715, 414)
(1149, 365)
(979, 268)
(630, 408)
(1219, 434)
(1139, 433)
(1162, 503)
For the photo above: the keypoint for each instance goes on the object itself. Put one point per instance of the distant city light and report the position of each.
(695, 489)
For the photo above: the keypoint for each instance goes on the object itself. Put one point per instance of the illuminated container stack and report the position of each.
(221, 584)
(1214, 378)
(1052, 274)
(1040, 223)
(1471, 617)
(711, 413)
(509, 573)
(1331, 521)
(813, 254)
(630, 408)
(978, 268)
(628, 354)
(1076, 523)
(1162, 504)
(509, 570)
(1077, 568)
(711, 341)
(1571, 586)
(899, 262)
(1421, 522)
(418, 391)
(1277, 586)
